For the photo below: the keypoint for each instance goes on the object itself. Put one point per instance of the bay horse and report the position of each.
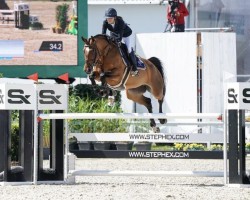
(104, 62)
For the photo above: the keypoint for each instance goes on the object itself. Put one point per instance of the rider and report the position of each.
(120, 31)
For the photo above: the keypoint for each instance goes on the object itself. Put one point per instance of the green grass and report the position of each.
(87, 105)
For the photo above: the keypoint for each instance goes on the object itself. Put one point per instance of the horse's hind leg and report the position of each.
(137, 96)
(162, 121)
(157, 89)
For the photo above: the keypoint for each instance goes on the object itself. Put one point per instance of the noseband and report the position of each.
(97, 55)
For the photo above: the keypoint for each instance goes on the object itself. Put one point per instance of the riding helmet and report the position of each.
(111, 12)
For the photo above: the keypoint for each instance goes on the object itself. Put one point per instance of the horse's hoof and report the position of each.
(156, 129)
(102, 93)
(163, 121)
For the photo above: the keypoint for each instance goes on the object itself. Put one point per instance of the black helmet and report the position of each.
(111, 12)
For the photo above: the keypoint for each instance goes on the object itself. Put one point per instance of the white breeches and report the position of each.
(127, 41)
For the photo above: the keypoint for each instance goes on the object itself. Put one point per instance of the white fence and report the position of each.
(71, 172)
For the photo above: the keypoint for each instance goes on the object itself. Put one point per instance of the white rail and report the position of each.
(7, 11)
(146, 173)
(214, 116)
(225, 29)
(177, 123)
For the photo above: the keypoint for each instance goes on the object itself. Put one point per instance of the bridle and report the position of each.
(97, 61)
(96, 56)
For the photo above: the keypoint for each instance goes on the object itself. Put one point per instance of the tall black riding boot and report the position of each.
(134, 71)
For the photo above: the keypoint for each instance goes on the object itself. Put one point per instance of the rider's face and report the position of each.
(111, 20)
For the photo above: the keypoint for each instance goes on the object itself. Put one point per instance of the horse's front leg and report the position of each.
(104, 89)
(92, 78)
(102, 79)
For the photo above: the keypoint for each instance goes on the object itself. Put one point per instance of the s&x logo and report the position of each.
(232, 97)
(1, 97)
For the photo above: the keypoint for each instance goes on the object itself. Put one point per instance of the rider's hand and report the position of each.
(119, 43)
(114, 39)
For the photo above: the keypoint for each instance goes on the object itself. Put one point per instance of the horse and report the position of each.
(104, 62)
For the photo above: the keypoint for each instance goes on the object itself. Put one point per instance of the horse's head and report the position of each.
(90, 54)
(94, 51)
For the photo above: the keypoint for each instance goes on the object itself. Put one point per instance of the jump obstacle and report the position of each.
(7, 16)
(19, 17)
(31, 100)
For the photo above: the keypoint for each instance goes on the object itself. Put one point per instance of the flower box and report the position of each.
(124, 145)
(85, 146)
(101, 145)
(143, 146)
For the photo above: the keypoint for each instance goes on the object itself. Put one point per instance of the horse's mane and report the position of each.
(106, 37)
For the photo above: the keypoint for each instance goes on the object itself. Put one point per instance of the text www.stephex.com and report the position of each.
(158, 137)
(156, 154)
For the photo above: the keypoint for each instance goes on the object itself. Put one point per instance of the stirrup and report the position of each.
(134, 73)
(111, 100)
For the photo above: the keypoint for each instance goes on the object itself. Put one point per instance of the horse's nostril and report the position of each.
(88, 71)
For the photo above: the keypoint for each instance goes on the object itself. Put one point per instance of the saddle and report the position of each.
(123, 48)
(125, 55)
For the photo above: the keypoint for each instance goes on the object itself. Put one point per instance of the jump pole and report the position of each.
(146, 173)
(214, 116)
(225, 147)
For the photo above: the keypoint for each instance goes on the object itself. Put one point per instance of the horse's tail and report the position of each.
(158, 64)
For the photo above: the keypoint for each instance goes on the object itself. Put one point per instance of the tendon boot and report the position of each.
(134, 71)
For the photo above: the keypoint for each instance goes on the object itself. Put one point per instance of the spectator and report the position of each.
(176, 11)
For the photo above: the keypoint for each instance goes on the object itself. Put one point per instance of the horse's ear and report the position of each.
(93, 39)
(85, 40)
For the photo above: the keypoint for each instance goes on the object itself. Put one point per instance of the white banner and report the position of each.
(17, 96)
(52, 96)
(150, 137)
(237, 96)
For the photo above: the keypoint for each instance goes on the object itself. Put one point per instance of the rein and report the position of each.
(98, 57)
